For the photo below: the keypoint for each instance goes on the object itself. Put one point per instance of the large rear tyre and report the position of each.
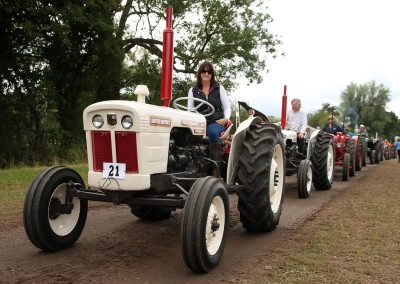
(205, 224)
(346, 167)
(323, 161)
(304, 179)
(151, 213)
(350, 148)
(50, 222)
(261, 170)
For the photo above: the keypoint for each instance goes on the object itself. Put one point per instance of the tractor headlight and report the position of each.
(127, 122)
(98, 121)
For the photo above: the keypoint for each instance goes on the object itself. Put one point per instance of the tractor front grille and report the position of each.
(126, 150)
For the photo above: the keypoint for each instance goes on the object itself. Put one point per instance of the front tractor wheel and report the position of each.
(261, 170)
(304, 179)
(205, 224)
(52, 220)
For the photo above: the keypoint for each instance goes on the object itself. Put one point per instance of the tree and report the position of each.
(232, 34)
(366, 104)
(320, 117)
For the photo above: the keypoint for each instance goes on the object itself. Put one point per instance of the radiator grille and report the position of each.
(126, 150)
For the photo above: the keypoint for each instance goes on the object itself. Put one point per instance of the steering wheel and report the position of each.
(207, 112)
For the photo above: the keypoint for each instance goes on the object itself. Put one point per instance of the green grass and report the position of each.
(15, 182)
(355, 240)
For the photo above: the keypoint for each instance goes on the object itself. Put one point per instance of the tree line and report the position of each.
(361, 104)
(57, 57)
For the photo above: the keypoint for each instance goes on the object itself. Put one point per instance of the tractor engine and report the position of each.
(189, 159)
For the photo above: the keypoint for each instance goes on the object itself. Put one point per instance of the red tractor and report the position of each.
(346, 154)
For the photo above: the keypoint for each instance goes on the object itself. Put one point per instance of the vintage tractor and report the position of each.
(314, 165)
(345, 154)
(156, 159)
(375, 150)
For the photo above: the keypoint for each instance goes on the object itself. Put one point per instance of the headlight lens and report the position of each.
(127, 122)
(98, 121)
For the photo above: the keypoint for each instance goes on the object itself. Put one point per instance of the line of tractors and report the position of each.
(156, 160)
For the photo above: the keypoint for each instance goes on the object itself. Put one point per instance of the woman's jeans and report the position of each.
(213, 131)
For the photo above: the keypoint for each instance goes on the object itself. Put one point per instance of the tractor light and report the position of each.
(127, 122)
(98, 121)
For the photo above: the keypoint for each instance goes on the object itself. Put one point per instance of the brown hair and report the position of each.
(206, 65)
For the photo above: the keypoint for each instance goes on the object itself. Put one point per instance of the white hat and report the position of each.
(362, 125)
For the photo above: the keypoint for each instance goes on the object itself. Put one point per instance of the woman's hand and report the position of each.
(222, 121)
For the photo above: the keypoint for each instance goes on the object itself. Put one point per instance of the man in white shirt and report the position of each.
(298, 122)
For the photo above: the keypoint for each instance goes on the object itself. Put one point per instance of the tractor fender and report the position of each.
(311, 142)
(237, 142)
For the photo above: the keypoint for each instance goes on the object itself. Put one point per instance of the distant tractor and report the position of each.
(345, 154)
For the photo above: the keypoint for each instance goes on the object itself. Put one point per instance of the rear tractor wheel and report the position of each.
(323, 161)
(262, 172)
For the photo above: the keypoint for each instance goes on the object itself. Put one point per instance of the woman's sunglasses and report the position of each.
(206, 72)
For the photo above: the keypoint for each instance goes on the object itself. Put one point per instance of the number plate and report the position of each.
(114, 170)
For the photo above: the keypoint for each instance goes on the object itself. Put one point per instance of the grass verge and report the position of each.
(14, 183)
(354, 240)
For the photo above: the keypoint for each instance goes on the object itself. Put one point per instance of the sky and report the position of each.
(328, 45)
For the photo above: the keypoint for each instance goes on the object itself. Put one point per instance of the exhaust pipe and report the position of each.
(167, 60)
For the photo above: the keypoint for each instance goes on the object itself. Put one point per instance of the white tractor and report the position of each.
(155, 159)
(315, 164)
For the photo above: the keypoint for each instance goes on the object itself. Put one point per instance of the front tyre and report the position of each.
(304, 179)
(50, 222)
(261, 170)
(205, 224)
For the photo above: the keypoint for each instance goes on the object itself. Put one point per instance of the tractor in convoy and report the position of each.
(345, 154)
(156, 159)
(315, 165)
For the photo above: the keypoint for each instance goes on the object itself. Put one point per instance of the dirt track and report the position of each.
(116, 247)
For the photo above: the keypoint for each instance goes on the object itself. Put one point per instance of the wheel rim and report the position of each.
(276, 178)
(309, 179)
(215, 226)
(62, 224)
(330, 162)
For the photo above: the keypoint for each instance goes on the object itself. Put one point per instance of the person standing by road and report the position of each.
(297, 120)
(398, 149)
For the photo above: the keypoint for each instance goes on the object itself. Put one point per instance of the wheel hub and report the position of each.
(54, 208)
(214, 223)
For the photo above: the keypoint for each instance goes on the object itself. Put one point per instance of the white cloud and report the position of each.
(329, 44)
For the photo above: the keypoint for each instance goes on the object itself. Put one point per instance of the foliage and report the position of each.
(57, 57)
(361, 104)
(53, 56)
(320, 117)
(366, 104)
(233, 34)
